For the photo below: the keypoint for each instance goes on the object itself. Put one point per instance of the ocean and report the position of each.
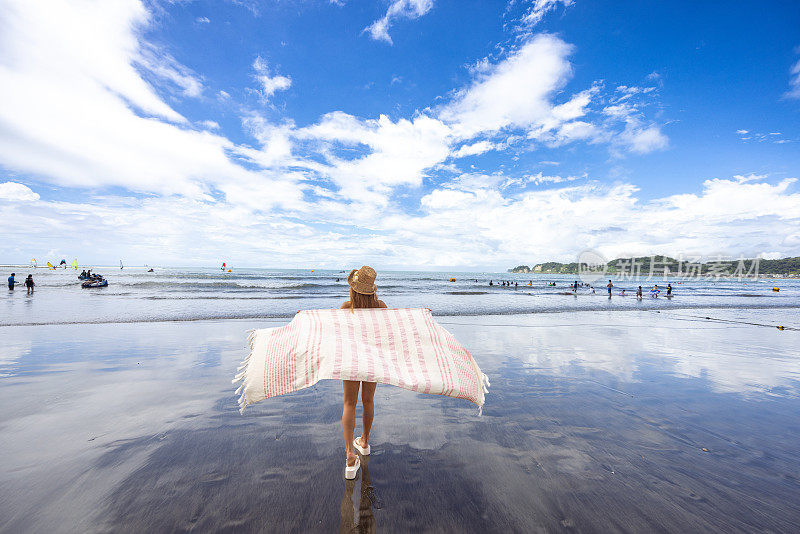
(120, 416)
(185, 294)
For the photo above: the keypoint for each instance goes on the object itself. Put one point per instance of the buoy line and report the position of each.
(730, 321)
(551, 325)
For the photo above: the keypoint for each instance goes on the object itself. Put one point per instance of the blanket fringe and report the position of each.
(242, 370)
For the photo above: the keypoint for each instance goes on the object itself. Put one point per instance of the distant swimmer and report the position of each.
(11, 281)
(515, 285)
(491, 283)
(622, 293)
(669, 290)
(639, 293)
(655, 291)
(29, 284)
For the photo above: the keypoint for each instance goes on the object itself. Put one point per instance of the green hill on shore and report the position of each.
(665, 265)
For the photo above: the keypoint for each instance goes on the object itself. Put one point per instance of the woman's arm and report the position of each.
(382, 304)
(345, 306)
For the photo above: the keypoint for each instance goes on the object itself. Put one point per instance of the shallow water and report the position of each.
(134, 295)
(595, 421)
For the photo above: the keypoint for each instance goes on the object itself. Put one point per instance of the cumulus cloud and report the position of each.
(93, 122)
(398, 9)
(394, 152)
(17, 192)
(515, 92)
(728, 214)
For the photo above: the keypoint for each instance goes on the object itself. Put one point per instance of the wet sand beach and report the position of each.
(601, 421)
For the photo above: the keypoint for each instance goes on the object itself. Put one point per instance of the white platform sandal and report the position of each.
(363, 450)
(350, 471)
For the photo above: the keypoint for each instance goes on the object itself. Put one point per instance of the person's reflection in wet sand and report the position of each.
(366, 520)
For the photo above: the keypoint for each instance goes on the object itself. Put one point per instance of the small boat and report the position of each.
(94, 283)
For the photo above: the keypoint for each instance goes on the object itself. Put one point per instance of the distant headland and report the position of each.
(665, 265)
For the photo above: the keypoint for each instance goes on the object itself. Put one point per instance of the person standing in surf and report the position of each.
(363, 294)
(29, 284)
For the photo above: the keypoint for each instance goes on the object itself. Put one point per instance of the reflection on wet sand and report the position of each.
(595, 422)
(366, 520)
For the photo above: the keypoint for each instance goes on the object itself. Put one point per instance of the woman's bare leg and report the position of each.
(349, 417)
(367, 396)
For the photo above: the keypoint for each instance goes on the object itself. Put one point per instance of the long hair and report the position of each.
(357, 300)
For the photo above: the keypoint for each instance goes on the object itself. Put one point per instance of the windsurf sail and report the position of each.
(223, 266)
(120, 264)
(51, 266)
(75, 264)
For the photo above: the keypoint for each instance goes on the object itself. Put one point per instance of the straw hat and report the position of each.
(363, 280)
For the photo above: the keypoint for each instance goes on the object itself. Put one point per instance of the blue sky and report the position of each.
(407, 133)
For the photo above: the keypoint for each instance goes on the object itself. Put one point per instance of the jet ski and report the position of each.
(94, 283)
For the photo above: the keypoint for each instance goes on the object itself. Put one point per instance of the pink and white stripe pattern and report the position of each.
(402, 347)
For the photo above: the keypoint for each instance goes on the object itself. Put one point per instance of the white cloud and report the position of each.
(515, 92)
(540, 178)
(474, 149)
(397, 153)
(92, 121)
(728, 215)
(573, 131)
(408, 9)
(643, 140)
(167, 68)
(202, 20)
(269, 85)
(539, 9)
(794, 81)
(760, 137)
(637, 136)
(40, 49)
(17, 192)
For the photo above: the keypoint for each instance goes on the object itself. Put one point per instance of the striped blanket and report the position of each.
(401, 347)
